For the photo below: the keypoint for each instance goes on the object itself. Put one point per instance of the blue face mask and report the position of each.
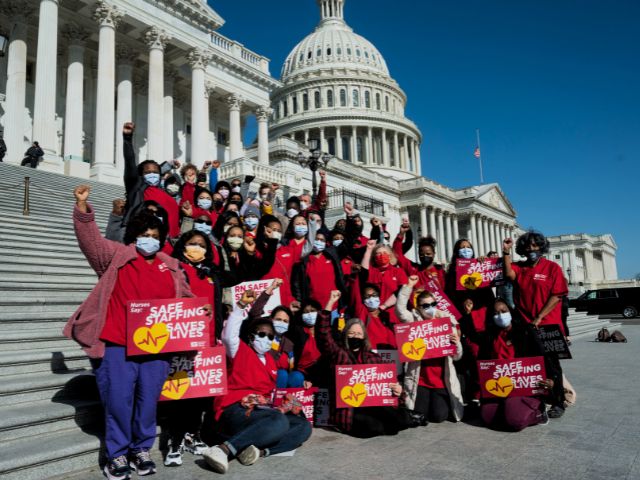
(205, 203)
(152, 179)
(309, 318)
(503, 319)
(466, 252)
(147, 246)
(202, 227)
(319, 245)
(300, 230)
(262, 345)
(251, 222)
(337, 243)
(533, 257)
(280, 327)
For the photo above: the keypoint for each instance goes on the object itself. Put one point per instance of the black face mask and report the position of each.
(355, 343)
(426, 261)
(218, 204)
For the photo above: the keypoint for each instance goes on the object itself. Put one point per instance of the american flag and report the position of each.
(476, 153)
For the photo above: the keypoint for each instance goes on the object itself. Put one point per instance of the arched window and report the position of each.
(339, 51)
(377, 101)
(316, 99)
(356, 98)
(348, 50)
(330, 98)
(318, 52)
(366, 54)
(328, 51)
(357, 52)
(285, 108)
(305, 101)
(301, 57)
(343, 97)
(309, 54)
(367, 99)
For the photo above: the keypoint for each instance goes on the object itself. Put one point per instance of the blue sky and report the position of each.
(554, 87)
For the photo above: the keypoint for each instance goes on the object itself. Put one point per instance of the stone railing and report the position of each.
(239, 52)
(243, 166)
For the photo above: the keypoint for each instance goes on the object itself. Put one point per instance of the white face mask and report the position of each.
(429, 312)
(147, 246)
(503, 319)
(309, 318)
(292, 212)
(337, 243)
(276, 235)
(466, 253)
(372, 302)
(173, 188)
(235, 242)
(236, 189)
(304, 205)
(280, 326)
(205, 203)
(261, 344)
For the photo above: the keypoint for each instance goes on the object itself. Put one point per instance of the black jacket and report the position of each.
(34, 152)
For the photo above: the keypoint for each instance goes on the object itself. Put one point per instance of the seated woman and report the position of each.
(431, 386)
(511, 337)
(354, 349)
(254, 430)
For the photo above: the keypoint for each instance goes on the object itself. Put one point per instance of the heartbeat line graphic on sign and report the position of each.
(151, 339)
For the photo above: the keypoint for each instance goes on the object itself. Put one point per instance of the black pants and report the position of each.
(433, 403)
(374, 421)
(557, 393)
(32, 161)
(184, 416)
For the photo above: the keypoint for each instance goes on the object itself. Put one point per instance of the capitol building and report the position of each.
(73, 71)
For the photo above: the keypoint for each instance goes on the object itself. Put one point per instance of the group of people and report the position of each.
(32, 156)
(189, 234)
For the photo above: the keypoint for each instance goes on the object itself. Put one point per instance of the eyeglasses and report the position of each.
(270, 336)
(207, 222)
(427, 305)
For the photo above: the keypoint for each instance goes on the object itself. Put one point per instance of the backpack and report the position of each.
(618, 337)
(603, 335)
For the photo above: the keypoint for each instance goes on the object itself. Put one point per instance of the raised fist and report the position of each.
(128, 128)
(81, 192)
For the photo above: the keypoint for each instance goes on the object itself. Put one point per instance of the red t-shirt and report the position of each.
(379, 335)
(188, 193)
(388, 279)
(137, 280)
(432, 373)
(282, 268)
(296, 249)
(503, 349)
(535, 284)
(167, 202)
(310, 353)
(247, 375)
(322, 278)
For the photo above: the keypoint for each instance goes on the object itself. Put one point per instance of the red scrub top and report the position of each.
(167, 202)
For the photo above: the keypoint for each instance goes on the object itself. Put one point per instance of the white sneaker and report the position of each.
(174, 457)
(193, 444)
(249, 455)
(216, 459)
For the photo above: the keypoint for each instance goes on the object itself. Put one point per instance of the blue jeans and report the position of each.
(129, 389)
(266, 429)
(287, 379)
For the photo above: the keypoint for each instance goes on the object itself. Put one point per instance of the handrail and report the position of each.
(25, 204)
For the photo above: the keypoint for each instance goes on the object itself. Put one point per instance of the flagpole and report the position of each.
(479, 155)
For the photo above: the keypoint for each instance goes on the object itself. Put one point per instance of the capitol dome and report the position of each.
(337, 89)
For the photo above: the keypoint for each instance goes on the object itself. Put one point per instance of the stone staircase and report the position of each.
(49, 408)
(582, 324)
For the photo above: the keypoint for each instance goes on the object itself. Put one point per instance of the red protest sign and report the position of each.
(472, 274)
(165, 326)
(305, 396)
(426, 339)
(511, 378)
(196, 374)
(365, 385)
(444, 304)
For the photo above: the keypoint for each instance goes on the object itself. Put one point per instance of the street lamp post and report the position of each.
(569, 275)
(316, 160)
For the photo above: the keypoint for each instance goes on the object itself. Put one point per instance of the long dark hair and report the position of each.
(205, 268)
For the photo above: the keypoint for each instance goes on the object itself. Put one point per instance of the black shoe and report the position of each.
(142, 464)
(117, 469)
(417, 419)
(556, 411)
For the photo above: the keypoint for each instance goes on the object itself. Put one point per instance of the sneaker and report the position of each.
(543, 417)
(249, 455)
(142, 464)
(117, 469)
(193, 444)
(174, 457)
(556, 411)
(217, 459)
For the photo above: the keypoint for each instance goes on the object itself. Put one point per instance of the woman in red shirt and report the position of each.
(539, 286)
(365, 305)
(427, 269)
(254, 429)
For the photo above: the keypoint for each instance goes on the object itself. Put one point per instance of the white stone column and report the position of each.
(323, 141)
(492, 235)
(432, 224)
(74, 101)
(211, 148)
(456, 231)
(369, 155)
(108, 17)
(449, 235)
(486, 236)
(262, 115)
(406, 153)
(441, 238)
(125, 57)
(354, 145)
(14, 117)
(306, 137)
(168, 128)
(423, 221)
(156, 39)
(480, 247)
(385, 149)
(235, 102)
(198, 59)
(499, 238)
(418, 160)
(339, 152)
(396, 151)
(474, 231)
(44, 103)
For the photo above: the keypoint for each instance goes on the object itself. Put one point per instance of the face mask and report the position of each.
(202, 227)
(204, 203)
(533, 257)
(194, 253)
(264, 197)
(465, 253)
(355, 343)
(218, 204)
(147, 246)
(309, 318)
(251, 222)
(426, 261)
(261, 345)
(152, 179)
(372, 303)
(429, 312)
(502, 320)
(236, 189)
(224, 192)
(319, 245)
(292, 212)
(304, 205)
(226, 228)
(337, 243)
(300, 230)
(235, 243)
(383, 259)
(173, 189)
(276, 235)
(280, 326)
